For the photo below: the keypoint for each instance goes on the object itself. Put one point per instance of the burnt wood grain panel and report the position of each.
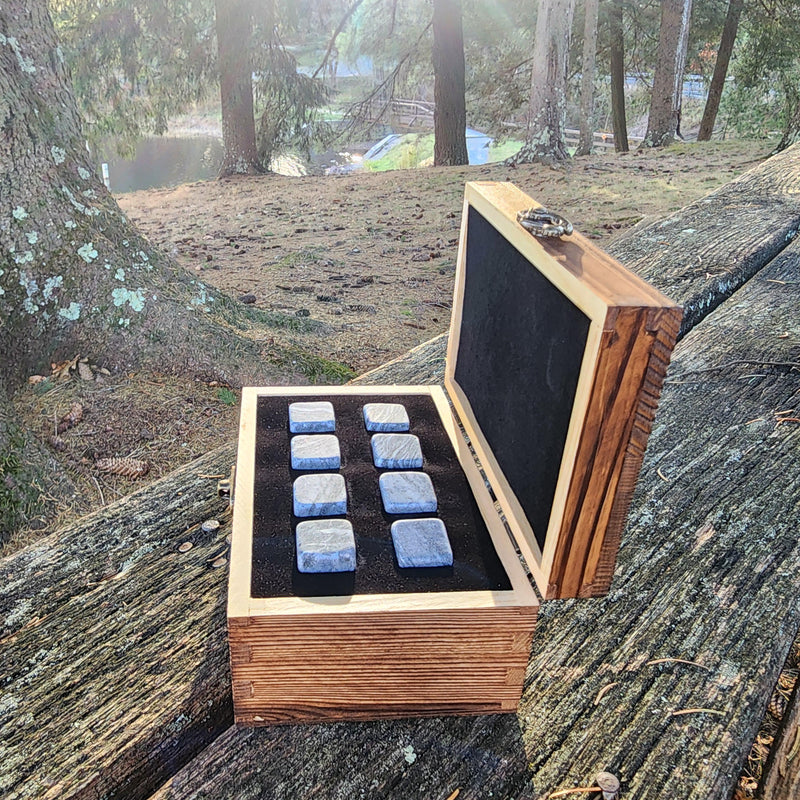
(328, 667)
(613, 438)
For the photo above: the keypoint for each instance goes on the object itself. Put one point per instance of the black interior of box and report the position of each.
(519, 359)
(476, 565)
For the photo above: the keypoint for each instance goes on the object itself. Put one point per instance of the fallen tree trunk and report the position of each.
(115, 656)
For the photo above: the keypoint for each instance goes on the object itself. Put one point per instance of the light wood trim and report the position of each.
(600, 276)
(242, 529)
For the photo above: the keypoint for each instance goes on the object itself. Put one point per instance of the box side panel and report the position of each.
(666, 324)
(633, 359)
(368, 666)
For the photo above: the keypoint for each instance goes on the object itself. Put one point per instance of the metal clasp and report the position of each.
(543, 223)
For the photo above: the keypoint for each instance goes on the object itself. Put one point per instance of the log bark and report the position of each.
(114, 653)
(586, 136)
(665, 103)
(617, 68)
(781, 779)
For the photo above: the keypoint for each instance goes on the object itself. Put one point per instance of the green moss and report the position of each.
(19, 494)
(243, 318)
(315, 368)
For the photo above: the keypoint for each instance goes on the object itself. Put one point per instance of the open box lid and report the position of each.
(555, 363)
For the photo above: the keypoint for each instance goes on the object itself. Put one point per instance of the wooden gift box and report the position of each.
(554, 367)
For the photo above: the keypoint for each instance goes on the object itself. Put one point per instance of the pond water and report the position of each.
(163, 161)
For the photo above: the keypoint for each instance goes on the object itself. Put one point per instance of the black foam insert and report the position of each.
(519, 358)
(476, 565)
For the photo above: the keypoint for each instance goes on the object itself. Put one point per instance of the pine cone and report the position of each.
(71, 418)
(127, 467)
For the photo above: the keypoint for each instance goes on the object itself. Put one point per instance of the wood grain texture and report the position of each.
(632, 362)
(114, 655)
(384, 664)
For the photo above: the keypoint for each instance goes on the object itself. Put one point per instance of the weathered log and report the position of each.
(702, 254)
(664, 682)
(115, 659)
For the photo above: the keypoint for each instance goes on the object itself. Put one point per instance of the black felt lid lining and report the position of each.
(476, 565)
(520, 351)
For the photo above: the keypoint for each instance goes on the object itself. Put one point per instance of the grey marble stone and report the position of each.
(396, 451)
(325, 545)
(421, 543)
(322, 495)
(386, 417)
(319, 451)
(315, 417)
(407, 493)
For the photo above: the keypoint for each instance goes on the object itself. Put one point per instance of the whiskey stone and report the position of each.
(316, 417)
(325, 545)
(407, 493)
(386, 417)
(421, 543)
(396, 451)
(319, 495)
(316, 452)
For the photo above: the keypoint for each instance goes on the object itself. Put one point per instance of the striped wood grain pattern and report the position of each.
(384, 664)
(627, 383)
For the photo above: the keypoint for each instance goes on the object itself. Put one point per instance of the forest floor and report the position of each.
(370, 255)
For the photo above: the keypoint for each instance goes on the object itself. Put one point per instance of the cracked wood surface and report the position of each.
(114, 661)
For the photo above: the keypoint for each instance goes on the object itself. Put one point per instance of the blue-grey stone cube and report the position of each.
(313, 417)
(386, 417)
(421, 543)
(322, 495)
(396, 451)
(325, 545)
(407, 493)
(316, 451)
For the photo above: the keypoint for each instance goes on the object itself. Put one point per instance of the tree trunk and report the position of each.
(586, 135)
(617, 54)
(450, 114)
(234, 41)
(665, 102)
(75, 276)
(720, 70)
(544, 141)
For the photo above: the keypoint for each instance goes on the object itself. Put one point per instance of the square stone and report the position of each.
(322, 495)
(396, 451)
(386, 417)
(316, 452)
(325, 545)
(316, 417)
(407, 493)
(421, 543)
